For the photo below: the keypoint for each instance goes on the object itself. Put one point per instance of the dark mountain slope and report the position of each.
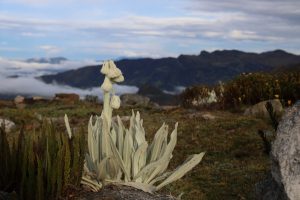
(185, 70)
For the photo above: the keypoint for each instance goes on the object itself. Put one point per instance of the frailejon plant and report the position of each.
(122, 155)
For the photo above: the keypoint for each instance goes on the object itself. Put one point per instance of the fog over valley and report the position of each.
(19, 77)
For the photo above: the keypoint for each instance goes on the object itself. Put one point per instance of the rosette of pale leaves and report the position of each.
(122, 155)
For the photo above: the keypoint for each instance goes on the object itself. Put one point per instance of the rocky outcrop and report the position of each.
(134, 100)
(259, 109)
(284, 182)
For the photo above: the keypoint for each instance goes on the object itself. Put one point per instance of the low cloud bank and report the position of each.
(26, 84)
(10, 67)
(177, 90)
(31, 86)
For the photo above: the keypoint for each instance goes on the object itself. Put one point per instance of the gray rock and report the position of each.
(9, 125)
(114, 192)
(134, 100)
(259, 109)
(284, 182)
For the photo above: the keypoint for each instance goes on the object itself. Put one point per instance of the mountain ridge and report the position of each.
(184, 70)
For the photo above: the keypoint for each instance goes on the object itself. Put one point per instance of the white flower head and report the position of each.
(118, 79)
(105, 68)
(115, 102)
(114, 72)
(106, 85)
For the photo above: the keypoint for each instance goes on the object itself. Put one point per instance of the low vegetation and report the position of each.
(41, 163)
(44, 161)
(247, 89)
(234, 160)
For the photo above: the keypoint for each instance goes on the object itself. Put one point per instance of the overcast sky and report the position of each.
(104, 29)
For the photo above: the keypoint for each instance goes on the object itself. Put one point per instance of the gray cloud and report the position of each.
(219, 24)
(27, 84)
(274, 8)
(268, 19)
(10, 67)
(32, 86)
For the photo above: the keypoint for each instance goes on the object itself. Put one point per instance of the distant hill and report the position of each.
(288, 68)
(54, 60)
(185, 70)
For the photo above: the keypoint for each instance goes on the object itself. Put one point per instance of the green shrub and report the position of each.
(201, 96)
(249, 89)
(245, 89)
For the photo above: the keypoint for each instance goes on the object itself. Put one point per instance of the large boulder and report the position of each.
(259, 109)
(284, 182)
(134, 100)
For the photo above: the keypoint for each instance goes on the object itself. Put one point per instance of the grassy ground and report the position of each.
(234, 159)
